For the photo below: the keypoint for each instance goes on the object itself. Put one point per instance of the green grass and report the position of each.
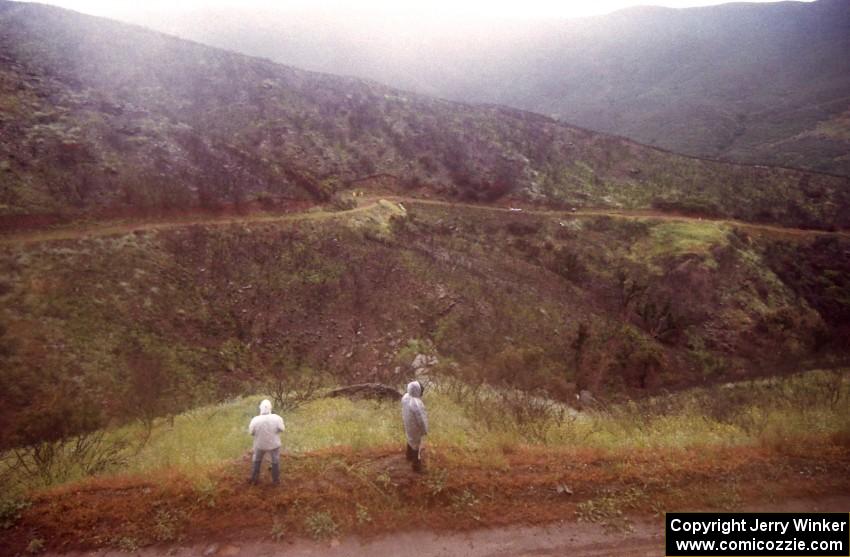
(836, 127)
(678, 238)
(485, 421)
(217, 433)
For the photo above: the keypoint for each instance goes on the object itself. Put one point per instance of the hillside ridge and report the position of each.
(106, 116)
(756, 82)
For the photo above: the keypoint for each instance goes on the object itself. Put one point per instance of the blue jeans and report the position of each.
(274, 455)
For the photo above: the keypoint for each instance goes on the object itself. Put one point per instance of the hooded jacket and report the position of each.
(413, 415)
(266, 428)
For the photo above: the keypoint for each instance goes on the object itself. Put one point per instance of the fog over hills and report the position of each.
(98, 114)
(767, 83)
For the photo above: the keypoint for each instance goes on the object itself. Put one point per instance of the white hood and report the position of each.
(414, 389)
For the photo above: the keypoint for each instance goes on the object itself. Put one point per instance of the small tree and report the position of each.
(62, 435)
(291, 381)
(659, 319)
(629, 289)
(151, 388)
(578, 345)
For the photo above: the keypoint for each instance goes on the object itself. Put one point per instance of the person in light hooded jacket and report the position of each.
(266, 429)
(415, 420)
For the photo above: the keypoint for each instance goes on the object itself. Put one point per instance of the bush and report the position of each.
(343, 201)
(35, 546)
(321, 526)
(60, 439)
(291, 382)
(266, 200)
(166, 526)
(689, 208)
(522, 228)
(569, 265)
(10, 510)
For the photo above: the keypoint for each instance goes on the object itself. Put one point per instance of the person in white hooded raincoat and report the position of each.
(415, 420)
(266, 429)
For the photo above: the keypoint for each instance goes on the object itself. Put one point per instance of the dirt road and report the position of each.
(112, 228)
(576, 539)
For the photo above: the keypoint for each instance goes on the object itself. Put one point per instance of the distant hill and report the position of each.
(98, 115)
(764, 83)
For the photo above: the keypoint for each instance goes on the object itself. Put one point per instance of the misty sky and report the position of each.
(123, 9)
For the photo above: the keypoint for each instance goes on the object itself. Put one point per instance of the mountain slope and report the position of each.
(758, 83)
(142, 323)
(132, 324)
(99, 115)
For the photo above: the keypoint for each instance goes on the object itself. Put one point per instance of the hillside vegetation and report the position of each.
(490, 462)
(603, 328)
(138, 325)
(104, 117)
(760, 82)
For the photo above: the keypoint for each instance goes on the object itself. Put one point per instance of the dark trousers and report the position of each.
(274, 455)
(413, 457)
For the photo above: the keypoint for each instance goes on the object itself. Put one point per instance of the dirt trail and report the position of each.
(577, 539)
(120, 228)
(365, 204)
(634, 214)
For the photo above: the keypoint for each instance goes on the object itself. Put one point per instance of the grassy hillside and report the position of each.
(100, 117)
(759, 83)
(471, 421)
(727, 447)
(143, 324)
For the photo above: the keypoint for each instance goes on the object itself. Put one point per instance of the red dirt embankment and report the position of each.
(373, 492)
(576, 539)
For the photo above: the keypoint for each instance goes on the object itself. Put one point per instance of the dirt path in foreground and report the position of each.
(365, 204)
(459, 507)
(577, 539)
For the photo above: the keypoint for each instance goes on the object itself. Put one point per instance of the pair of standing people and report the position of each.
(267, 427)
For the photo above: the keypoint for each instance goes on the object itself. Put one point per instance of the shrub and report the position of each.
(278, 530)
(321, 526)
(608, 508)
(10, 510)
(35, 546)
(64, 443)
(436, 481)
(689, 208)
(569, 265)
(465, 502)
(343, 201)
(207, 492)
(291, 383)
(166, 526)
(522, 228)
(362, 515)
(658, 318)
(266, 200)
(126, 543)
